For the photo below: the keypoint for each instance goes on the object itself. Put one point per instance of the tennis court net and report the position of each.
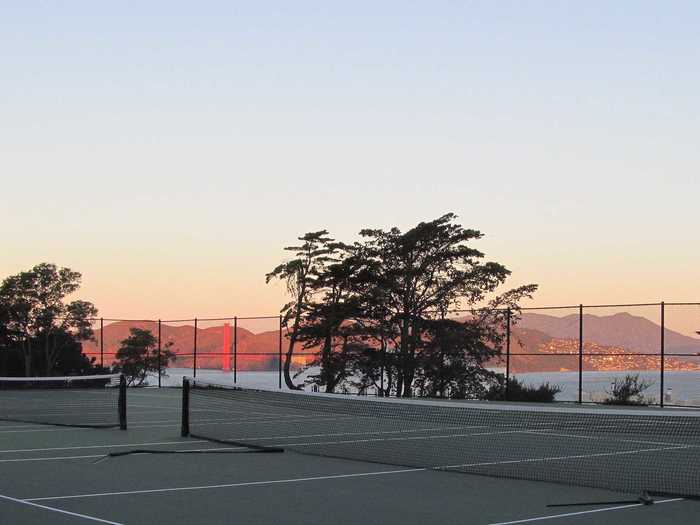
(96, 401)
(627, 450)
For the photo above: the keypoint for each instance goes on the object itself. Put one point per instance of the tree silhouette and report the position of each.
(389, 296)
(300, 274)
(138, 357)
(38, 316)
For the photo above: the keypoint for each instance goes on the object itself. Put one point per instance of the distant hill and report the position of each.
(255, 351)
(536, 333)
(620, 330)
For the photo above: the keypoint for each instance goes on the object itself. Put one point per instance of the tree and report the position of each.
(300, 274)
(38, 315)
(451, 357)
(377, 310)
(425, 273)
(332, 315)
(138, 356)
(6, 339)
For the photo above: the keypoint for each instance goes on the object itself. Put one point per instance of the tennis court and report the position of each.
(62, 474)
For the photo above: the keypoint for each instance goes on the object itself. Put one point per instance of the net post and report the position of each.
(235, 348)
(185, 430)
(122, 402)
(507, 355)
(194, 357)
(159, 353)
(279, 372)
(580, 353)
(663, 352)
(102, 342)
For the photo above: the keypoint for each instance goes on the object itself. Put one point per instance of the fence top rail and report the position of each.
(621, 305)
(124, 320)
(455, 311)
(258, 317)
(566, 307)
(207, 319)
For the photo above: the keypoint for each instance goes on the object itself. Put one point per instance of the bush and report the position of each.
(628, 391)
(517, 391)
(138, 356)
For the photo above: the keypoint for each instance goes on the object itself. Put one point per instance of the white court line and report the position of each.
(606, 438)
(446, 436)
(404, 431)
(229, 485)
(43, 429)
(93, 456)
(52, 509)
(441, 467)
(169, 423)
(49, 428)
(57, 458)
(14, 450)
(559, 458)
(132, 406)
(583, 512)
(508, 462)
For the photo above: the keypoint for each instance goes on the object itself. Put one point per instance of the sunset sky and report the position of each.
(169, 151)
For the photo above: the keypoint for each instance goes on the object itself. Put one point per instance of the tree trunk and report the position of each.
(288, 356)
(326, 372)
(292, 340)
(27, 350)
(406, 367)
(47, 353)
(287, 365)
(399, 382)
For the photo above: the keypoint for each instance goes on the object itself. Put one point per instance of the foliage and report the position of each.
(517, 391)
(138, 356)
(450, 360)
(39, 322)
(628, 391)
(300, 275)
(377, 310)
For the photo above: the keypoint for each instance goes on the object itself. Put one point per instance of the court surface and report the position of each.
(61, 475)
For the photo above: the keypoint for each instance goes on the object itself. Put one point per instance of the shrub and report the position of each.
(517, 391)
(628, 391)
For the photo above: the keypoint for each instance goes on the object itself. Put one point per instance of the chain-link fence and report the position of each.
(585, 351)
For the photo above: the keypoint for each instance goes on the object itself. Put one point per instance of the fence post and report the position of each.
(159, 354)
(580, 353)
(235, 348)
(279, 373)
(102, 342)
(194, 359)
(507, 354)
(663, 351)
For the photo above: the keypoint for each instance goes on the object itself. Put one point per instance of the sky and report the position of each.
(170, 150)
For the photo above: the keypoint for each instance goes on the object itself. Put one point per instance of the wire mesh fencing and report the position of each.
(586, 351)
